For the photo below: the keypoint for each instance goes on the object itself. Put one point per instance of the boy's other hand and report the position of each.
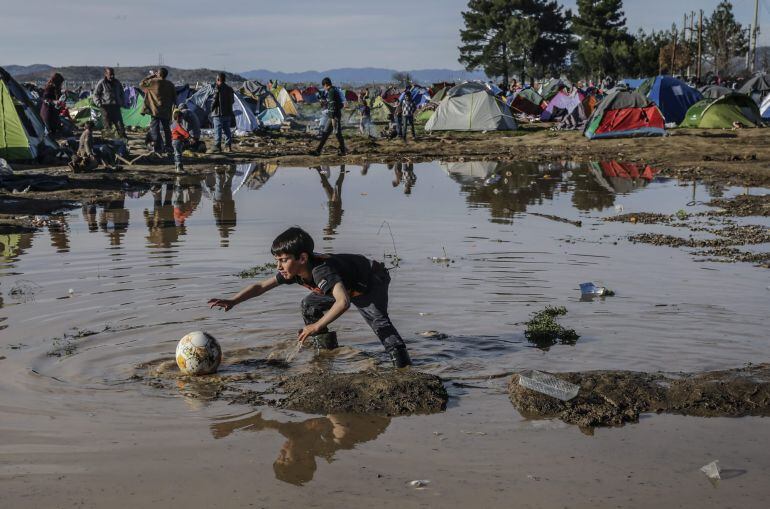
(225, 304)
(307, 331)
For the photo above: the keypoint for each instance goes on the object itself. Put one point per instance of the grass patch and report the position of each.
(266, 269)
(543, 327)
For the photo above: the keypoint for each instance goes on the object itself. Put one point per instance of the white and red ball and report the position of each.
(198, 353)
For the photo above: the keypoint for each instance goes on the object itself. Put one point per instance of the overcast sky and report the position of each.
(296, 35)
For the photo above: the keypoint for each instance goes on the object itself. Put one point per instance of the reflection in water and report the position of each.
(113, 220)
(403, 173)
(317, 437)
(172, 205)
(12, 246)
(507, 188)
(334, 197)
(220, 185)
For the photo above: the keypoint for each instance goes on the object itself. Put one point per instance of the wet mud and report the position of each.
(614, 398)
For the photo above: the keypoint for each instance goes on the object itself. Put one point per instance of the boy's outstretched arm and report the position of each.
(341, 304)
(247, 293)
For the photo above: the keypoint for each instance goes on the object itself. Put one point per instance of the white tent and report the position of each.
(470, 107)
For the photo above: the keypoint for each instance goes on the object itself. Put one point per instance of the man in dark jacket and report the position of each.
(222, 113)
(334, 104)
(159, 100)
(108, 95)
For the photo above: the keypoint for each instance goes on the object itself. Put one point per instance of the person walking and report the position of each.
(108, 95)
(407, 112)
(334, 107)
(222, 113)
(159, 101)
(49, 111)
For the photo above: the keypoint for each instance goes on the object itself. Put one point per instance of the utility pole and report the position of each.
(748, 52)
(700, 45)
(690, 45)
(753, 40)
(675, 33)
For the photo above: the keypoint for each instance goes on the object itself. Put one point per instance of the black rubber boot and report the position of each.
(400, 357)
(325, 340)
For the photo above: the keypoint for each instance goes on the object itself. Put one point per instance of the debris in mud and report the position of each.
(733, 255)
(642, 217)
(557, 218)
(741, 206)
(392, 392)
(711, 470)
(733, 235)
(613, 398)
(266, 269)
(24, 290)
(67, 344)
(543, 330)
(432, 334)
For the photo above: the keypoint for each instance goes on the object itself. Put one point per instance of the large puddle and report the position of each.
(106, 294)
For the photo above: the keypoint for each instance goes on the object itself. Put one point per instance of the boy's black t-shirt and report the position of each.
(352, 270)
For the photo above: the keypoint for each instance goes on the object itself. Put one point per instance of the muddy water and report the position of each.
(92, 310)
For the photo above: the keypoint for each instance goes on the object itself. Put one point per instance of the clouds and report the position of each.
(238, 35)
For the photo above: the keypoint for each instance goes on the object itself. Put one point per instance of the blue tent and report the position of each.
(201, 102)
(673, 97)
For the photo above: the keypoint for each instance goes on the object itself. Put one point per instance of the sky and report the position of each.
(297, 35)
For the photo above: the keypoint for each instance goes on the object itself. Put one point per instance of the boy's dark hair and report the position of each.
(326, 81)
(293, 241)
(163, 72)
(222, 77)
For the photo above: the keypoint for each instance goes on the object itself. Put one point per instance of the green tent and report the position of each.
(22, 132)
(132, 117)
(85, 110)
(424, 115)
(380, 110)
(721, 113)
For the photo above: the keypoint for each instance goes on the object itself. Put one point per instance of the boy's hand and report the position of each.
(225, 304)
(307, 331)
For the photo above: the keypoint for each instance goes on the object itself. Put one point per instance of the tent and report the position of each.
(350, 96)
(756, 87)
(714, 91)
(263, 104)
(633, 83)
(201, 102)
(526, 101)
(721, 113)
(438, 95)
(470, 107)
(183, 93)
(132, 116)
(22, 131)
(559, 107)
(310, 94)
(296, 95)
(673, 97)
(551, 88)
(764, 108)
(287, 103)
(622, 114)
(577, 118)
(380, 110)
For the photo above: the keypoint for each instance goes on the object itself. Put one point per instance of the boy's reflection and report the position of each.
(334, 197)
(320, 436)
(403, 172)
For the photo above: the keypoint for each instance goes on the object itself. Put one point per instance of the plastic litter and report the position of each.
(711, 470)
(592, 289)
(492, 180)
(5, 168)
(419, 483)
(546, 383)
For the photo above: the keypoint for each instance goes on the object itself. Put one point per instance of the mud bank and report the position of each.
(614, 398)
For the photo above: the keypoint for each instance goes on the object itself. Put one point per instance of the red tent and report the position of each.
(350, 95)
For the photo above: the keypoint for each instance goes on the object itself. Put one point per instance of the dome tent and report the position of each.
(723, 112)
(625, 114)
(672, 96)
(470, 107)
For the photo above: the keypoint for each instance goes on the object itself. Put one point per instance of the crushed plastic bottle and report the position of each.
(711, 470)
(546, 383)
(592, 289)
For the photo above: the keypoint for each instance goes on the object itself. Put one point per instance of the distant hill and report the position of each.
(360, 76)
(78, 75)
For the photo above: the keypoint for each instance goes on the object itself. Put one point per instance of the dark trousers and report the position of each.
(111, 117)
(334, 124)
(373, 306)
(158, 124)
(408, 121)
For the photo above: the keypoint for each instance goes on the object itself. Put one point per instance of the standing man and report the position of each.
(108, 95)
(407, 110)
(334, 107)
(159, 100)
(222, 113)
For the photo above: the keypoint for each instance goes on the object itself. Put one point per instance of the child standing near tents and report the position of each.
(335, 281)
(179, 137)
(407, 111)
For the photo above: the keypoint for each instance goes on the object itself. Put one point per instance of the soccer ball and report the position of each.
(198, 353)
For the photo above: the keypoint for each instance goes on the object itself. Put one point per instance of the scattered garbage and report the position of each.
(712, 470)
(619, 208)
(419, 483)
(546, 383)
(492, 180)
(5, 168)
(432, 334)
(592, 290)
(24, 290)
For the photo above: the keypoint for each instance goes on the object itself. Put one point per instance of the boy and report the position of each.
(335, 280)
(179, 136)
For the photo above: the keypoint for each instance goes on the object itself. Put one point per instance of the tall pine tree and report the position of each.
(724, 38)
(605, 45)
(506, 37)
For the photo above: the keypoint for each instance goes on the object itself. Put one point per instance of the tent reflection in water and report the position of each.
(621, 178)
(471, 107)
